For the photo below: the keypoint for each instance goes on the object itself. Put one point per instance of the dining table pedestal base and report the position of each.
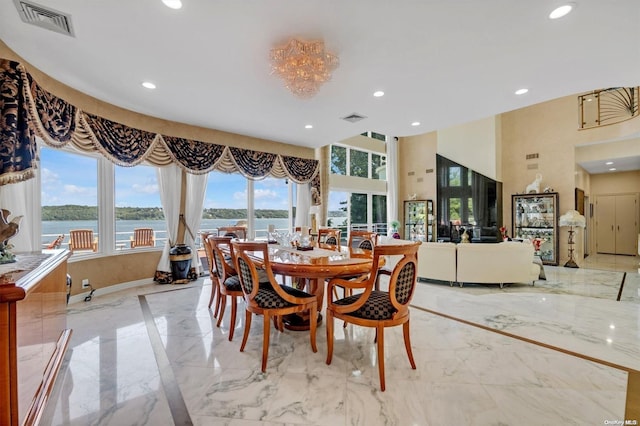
(299, 322)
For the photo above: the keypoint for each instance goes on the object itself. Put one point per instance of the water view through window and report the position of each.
(72, 189)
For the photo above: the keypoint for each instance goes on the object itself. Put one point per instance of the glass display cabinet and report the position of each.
(535, 217)
(419, 222)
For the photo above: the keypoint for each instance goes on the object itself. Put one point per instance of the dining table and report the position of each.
(309, 268)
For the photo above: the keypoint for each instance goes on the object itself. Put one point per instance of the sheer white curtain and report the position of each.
(23, 199)
(169, 183)
(303, 204)
(196, 189)
(392, 182)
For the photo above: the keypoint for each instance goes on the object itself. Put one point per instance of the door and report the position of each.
(616, 225)
(626, 227)
(606, 224)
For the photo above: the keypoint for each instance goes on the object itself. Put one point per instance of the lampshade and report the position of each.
(572, 218)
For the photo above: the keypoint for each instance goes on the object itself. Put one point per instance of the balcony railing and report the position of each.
(607, 106)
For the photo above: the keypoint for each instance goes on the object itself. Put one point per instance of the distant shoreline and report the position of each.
(76, 212)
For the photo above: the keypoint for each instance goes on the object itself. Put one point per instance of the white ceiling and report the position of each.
(440, 62)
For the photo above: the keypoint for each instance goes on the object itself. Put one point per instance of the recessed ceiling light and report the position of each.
(148, 85)
(173, 4)
(378, 94)
(561, 11)
(415, 123)
(608, 163)
(521, 91)
(309, 126)
(613, 169)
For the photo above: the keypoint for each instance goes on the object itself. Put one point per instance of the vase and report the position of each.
(395, 234)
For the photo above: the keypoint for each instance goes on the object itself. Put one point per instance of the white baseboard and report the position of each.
(110, 289)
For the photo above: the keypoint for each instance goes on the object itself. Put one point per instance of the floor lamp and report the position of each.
(571, 218)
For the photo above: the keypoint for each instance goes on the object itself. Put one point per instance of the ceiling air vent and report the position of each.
(352, 118)
(40, 16)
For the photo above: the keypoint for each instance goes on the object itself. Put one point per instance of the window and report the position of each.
(358, 210)
(338, 160)
(69, 194)
(466, 199)
(359, 163)
(454, 176)
(378, 167)
(138, 204)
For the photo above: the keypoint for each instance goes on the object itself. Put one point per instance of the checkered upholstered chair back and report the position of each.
(329, 236)
(363, 239)
(222, 260)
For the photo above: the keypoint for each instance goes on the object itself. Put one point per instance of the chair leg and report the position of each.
(329, 325)
(234, 308)
(218, 295)
(407, 344)
(380, 339)
(265, 340)
(214, 288)
(223, 302)
(247, 327)
(313, 318)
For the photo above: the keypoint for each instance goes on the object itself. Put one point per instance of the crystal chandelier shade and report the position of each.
(304, 66)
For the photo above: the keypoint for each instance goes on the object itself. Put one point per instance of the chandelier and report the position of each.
(304, 66)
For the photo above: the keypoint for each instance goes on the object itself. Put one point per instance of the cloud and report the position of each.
(78, 190)
(49, 177)
(264, 193)
(145, 189)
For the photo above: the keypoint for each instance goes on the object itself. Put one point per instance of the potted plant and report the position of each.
(394, 229)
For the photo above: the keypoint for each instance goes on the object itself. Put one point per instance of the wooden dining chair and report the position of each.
(365, 240)
(375, 308)
(143, 237)
(269, 299)
(329, 236)
(215, 286)
(82, 239)
(233, 231)
(362, 239)
(226, 278)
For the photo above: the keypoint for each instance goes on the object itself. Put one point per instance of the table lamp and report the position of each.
(571, 218)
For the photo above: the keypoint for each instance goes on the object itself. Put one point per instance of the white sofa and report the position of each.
(437, 261)
(506, 262)
(499, 263)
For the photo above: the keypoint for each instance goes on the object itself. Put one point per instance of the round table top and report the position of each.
(320, 262)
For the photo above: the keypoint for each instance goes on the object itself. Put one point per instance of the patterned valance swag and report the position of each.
(28, 110)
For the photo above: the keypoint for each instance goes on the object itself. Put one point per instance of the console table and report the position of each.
(33, 333)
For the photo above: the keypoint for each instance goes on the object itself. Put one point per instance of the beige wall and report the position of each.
(475, 145)
(416, 170)
(111, 270)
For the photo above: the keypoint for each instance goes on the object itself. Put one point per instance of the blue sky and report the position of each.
(72, 179)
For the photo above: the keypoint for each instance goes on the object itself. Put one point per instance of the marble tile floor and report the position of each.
(152, 355)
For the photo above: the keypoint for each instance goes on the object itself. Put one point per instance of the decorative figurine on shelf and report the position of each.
(8, 230)
(537, 242)
(503, 232)
(534, 187)
(394, 230)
